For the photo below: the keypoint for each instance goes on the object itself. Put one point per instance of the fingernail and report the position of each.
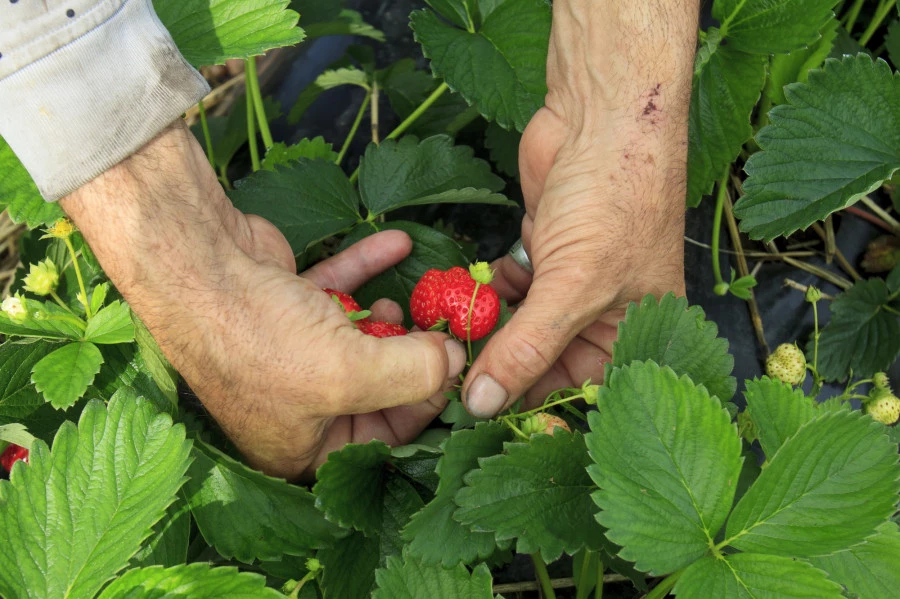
(485, 397)
(457, 354)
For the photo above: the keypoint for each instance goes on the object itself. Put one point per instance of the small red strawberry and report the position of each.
(11, 455)
(352, 309)
(457, 302)
(425, 301)
(381, 329)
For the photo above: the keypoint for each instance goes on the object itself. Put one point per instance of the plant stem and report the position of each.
(62, 304)
(540, 569)
(828, 233)
(515, 428)
(469, 321)
(223, 178)
(882, 213)
(84, 295)
(743, 271)
(251, 132)
(721, 287)
(869, 217)
(374, 117)
(817, 380)
(354, 128)
(207, 138)
(253, 89)
(884, 7)
(409, 120)
(598, 587)
(581, 587)
(850, 16)
(296, 591)
(663, 588)
(437, 93)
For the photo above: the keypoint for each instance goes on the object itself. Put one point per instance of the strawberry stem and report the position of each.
(469, 321)
(540, 569)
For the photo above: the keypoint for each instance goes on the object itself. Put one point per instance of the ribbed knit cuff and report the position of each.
(76, 112)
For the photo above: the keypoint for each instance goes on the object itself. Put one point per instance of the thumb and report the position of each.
(524, 350)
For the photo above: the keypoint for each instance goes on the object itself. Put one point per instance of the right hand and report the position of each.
(270, 355)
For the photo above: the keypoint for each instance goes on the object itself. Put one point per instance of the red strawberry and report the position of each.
(344, 299)
(425, 301)
(457, 300)
(381, 329)
(11, 455)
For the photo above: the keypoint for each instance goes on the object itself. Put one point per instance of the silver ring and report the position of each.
(520, 256)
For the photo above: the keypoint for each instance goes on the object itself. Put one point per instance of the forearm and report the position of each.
(629, 61)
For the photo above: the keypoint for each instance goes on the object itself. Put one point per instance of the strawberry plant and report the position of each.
(664, 477)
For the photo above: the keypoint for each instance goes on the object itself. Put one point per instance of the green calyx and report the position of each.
(481, 272)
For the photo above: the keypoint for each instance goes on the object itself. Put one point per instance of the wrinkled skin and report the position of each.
(270, 355)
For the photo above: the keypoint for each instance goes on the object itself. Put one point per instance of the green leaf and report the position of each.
(308, 200)
(892, 43)
(862, 335)
(168, 543)
(20, 196)
(111, 325)
(212, 31)
(51, 322)
(501, 67)
(674, 335)
(229, 134)
(64, 375)
(431, 249)
(772, 26)
(777, 410)
(16, 433)
(329, 79)
(667, 461)
(316, 11)
(350, 488)
(785, 69)
(824, 150)
(868, 569)
(348, 22)
(18, 397)
(124, 366)
(753, 576)
(98, 296)
(155, 363)
(72, 518)
(843, 475)
(504, 148)
(351, 563)
(408, 172)
(410, 579)
(537, 493)
(434, 536)
(247, 515)
(726, 88)
(197, 581)
(281, 155)
(407, 88)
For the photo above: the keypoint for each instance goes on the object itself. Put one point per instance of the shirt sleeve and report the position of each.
(86, 83)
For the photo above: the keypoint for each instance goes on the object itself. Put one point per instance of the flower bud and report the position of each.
(61, 229)
(15, 309)
(42, 278)
(813, 294)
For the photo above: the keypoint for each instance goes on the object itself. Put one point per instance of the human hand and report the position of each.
(604, 178)
(272, 357)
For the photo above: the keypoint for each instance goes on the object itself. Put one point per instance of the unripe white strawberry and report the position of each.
(883, 406)
(787, 364)
(544, 424)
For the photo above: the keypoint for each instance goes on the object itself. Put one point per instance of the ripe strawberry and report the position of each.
(381, 329)
(543, 423)
(425, 301)
(457, 300)
(11, 455)
(883, 406)
(351, 308)
(787, 364)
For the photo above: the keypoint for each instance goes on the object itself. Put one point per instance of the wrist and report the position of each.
(622, 62)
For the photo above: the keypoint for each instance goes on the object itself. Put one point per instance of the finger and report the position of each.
(360, 262)
(386, 310)
(397, 370)
(521, 352)
(580, 361)
(511, 281)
